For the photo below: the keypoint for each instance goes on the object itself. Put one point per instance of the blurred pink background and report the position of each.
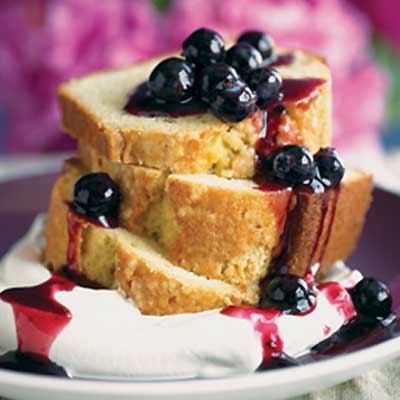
(44, 42)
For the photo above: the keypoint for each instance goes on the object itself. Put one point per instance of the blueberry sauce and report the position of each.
(19, 362)
(265, 325)
(340, 298)
(76, 223)
(300, 91)
(79, 279)
(329, 199)
(277, 129)
(75, 226)
(39, 317)
(356, 333)
(282, 60)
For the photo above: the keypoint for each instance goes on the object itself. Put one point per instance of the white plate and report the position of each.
(271, 385)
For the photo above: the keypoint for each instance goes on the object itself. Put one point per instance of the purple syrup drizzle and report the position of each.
(264, 325)
(39, 317)
(76, 223)
(264, 321)
(142, 103)
(301, 91)
(277, 129)
(290, 216)
(282, 60)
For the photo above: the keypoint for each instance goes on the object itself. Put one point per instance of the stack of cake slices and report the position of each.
(197, 228)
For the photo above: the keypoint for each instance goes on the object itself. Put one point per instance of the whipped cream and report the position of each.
(107, 335)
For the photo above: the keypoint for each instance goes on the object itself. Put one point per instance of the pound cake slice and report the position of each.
(113, 258)
(93, 110)
(158, 287)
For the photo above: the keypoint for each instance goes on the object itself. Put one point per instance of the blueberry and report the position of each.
(96, 195)
(330, 168)
(204, 47)
(259, 40)
(266, 82)
(222, 75)
(172, 80)
(288, 293)
(232, 104)
(372, 298)
(244, 58)
(291, 164)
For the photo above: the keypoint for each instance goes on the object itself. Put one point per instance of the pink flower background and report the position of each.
(44, 42)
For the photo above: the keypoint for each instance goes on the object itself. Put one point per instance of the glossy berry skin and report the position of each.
(172, 80)
(96, 195)
(266, 82)
(330, 167)
(372, 298)
(288, 293)
(204, 47)
(232, 104)
(260, 41)
(291, 164)
(244, 58)
(221, 75)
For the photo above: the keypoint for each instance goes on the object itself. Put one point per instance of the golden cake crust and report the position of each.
(224, 230)
(159, 288)
(92, 110)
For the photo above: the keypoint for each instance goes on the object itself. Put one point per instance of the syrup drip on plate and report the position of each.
(29, 363)
(39, 317)
(265, 322)
(264, 325)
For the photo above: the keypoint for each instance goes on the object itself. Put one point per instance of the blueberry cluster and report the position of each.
(231, 83)
(293, 295)
(96, 195)
(294, 165)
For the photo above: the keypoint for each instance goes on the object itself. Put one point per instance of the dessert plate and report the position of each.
(376, 255)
